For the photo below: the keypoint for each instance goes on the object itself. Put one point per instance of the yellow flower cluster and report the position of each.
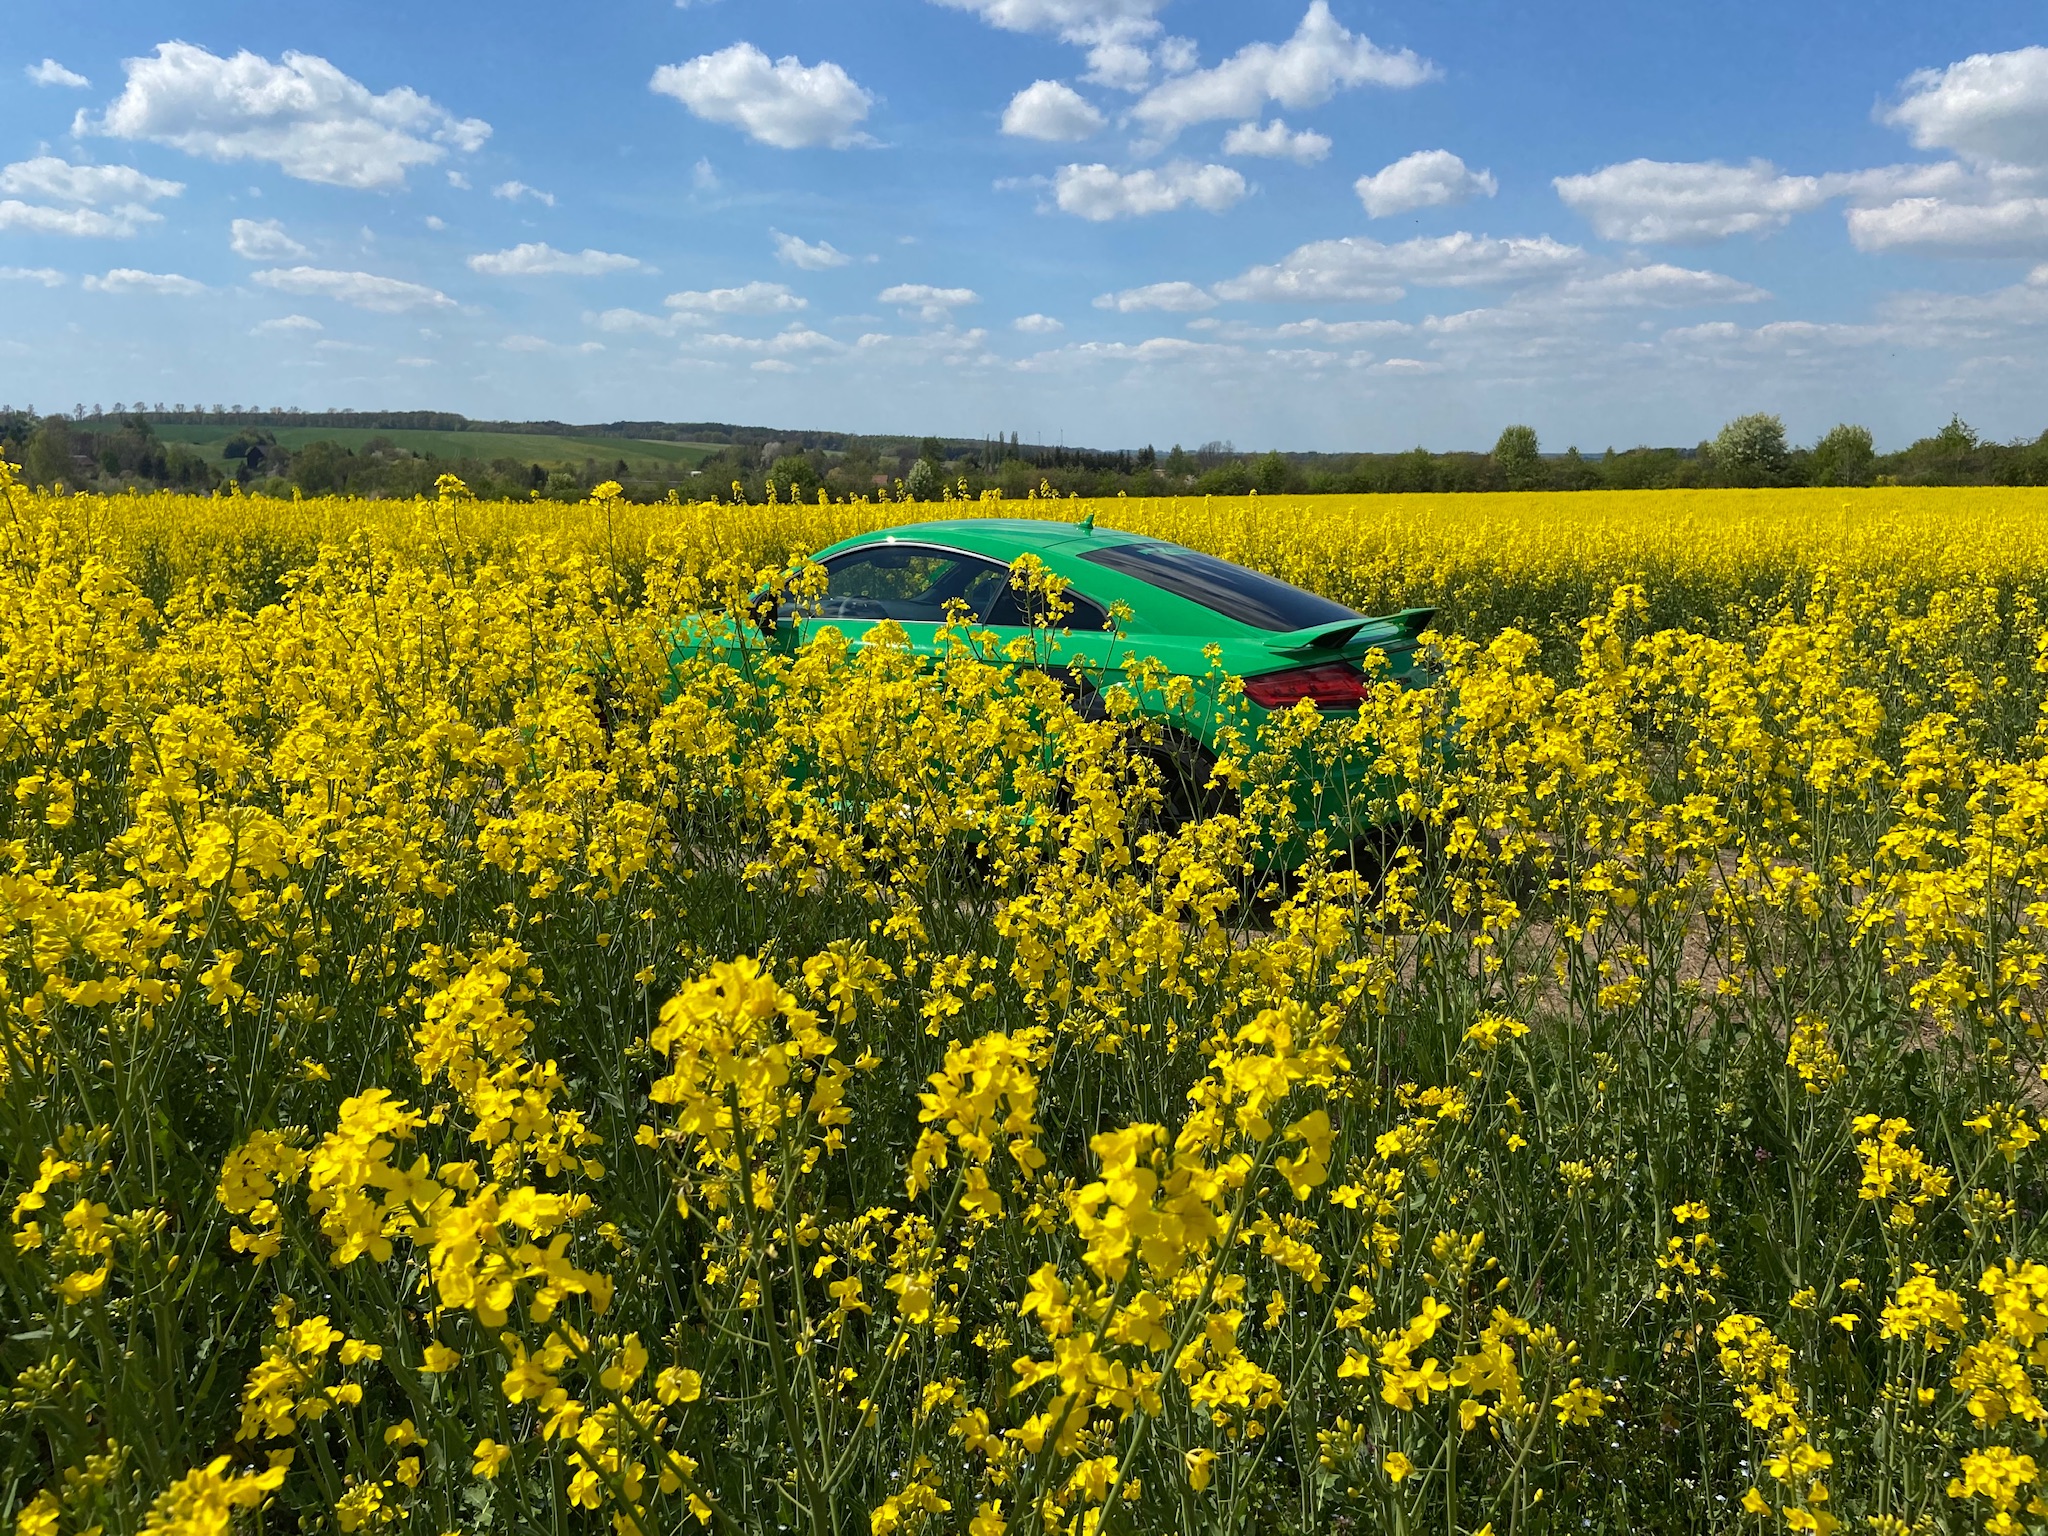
(464, 1066)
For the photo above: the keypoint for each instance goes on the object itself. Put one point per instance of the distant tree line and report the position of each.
(106, 451)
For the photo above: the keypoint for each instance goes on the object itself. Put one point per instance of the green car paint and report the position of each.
(1135, 604)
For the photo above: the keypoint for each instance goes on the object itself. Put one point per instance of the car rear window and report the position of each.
(1248, 596)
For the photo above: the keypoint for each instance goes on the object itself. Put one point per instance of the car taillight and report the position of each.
(1327, 685)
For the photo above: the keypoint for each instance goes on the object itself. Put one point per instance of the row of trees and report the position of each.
(107, 452)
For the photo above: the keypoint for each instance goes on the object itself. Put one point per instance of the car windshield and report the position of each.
(913, 584)
(1248, 596)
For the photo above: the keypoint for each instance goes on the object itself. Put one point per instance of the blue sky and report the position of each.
(1314, 224)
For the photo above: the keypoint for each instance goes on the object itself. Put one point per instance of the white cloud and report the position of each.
(263, 240)
(1177, 351)
(1276, 141)
(129, 280)
(774, 365)
(303, 115)
(796, 339)
(1037, 325)
(87, 223)
(1173, 298)
(49, 277)
(91, 185)
(2015, 226)
(50, 72)
(1321, 59)
(1429, 178)
(513, 191)
(125, 191)
(1116, 33)
(1970, 317)
(785, 104)
(1662, 202)
(620, 322)
(458, 181)
(435, 222)
(288, 325)
(1991, 107)
(1363, 270)
(364, 290)
(1098, 193)
(928, 303)
(539, 259)
(1781, 338)
(1335, 332)
(84, 186)
(522, 343)
(1051, 112)
(806, 257)
(1658, 285)
(704, 175)
(756, 298)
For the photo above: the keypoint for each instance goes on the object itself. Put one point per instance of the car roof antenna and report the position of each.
(1088, 523)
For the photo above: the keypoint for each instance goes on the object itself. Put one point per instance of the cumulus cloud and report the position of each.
(1989, 108)
(364, 290)
(38, 219)
(2014, 226)
(524, 343)
(302, 115)
(1970, 317)
(1173, 298)
(1661, 202)
(49, 277)
(262, 240)
(794, 339)
(756, 298)
(48, 177)
(806, 257)
(1037, 325)
(1334, 332)
(1276, 141)
(1658, 285)
(50, 72)
(1175, 350)
(129, 280)
(1429, 178)
(513, 191)
(1120, 35)
(1097, 193)
(1322, 58)
(1052, 112)
(928, 303)
(288, 325)
(625, 321)
(104, 200)
(1367, 271)
(539, 259)
(785, 103)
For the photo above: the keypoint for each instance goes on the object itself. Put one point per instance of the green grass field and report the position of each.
(528, 448)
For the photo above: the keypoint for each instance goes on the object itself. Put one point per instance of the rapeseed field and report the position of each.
(462, 1070)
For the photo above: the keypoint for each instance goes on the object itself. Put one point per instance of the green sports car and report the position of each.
(1128, 598)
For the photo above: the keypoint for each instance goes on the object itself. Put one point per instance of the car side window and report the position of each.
(910, 584)
(1020, 610)
(913, 584)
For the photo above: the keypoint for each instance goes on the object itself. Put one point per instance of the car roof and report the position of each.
(988, 534)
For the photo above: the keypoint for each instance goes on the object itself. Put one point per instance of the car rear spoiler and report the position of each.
(1393, 633)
